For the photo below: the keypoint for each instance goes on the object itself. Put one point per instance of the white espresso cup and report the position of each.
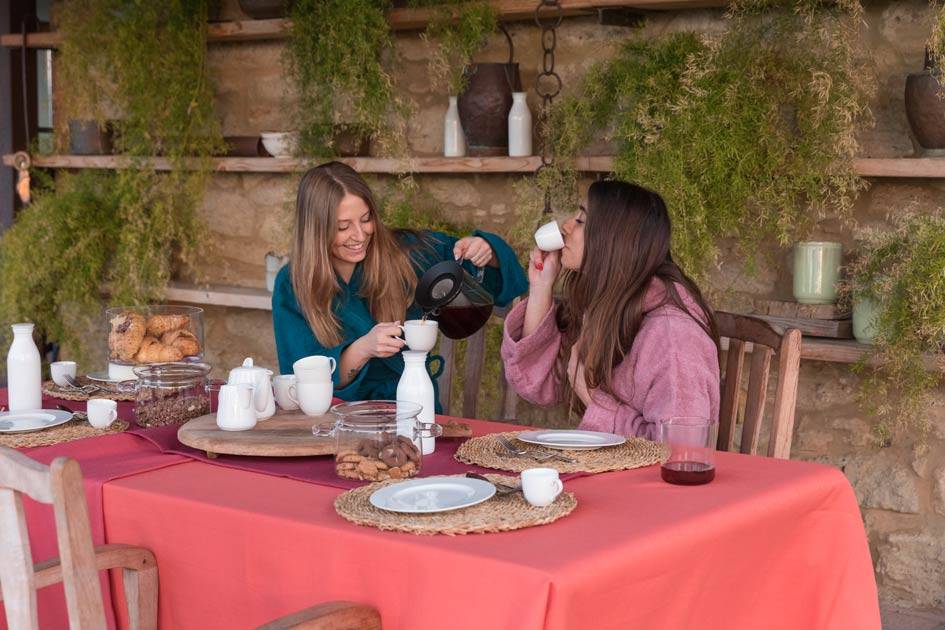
(420, 334)
(313, 398)
(283, 386)
(314, 369)
(235, 408)
(58, 370)
(541, 486)
(101, 412)
(549, 237)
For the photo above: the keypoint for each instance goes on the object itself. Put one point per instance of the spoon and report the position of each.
(78, 415)
(500, 488)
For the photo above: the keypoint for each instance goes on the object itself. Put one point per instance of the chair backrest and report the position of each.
(472, 375)
(59, 484)
(766, 342)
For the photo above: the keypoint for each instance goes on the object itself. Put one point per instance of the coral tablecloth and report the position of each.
(769, 544)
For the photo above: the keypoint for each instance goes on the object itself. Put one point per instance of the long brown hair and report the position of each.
(627, 238)
(389, 278)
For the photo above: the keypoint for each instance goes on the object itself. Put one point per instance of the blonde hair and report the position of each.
(389, 278)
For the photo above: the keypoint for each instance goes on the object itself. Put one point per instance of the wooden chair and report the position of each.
(472, 375)
(766, 341)
(77, 567)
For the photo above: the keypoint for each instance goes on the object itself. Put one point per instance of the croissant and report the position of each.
(126, 335)
(153, 351)
(160, 324)
(183, 340)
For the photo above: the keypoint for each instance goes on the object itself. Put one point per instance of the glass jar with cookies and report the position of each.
(377, 440)
(142, 335)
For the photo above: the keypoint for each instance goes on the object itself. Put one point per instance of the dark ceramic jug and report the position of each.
(484, 107)
(925, 108)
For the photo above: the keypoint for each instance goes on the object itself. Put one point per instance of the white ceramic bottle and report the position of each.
(454, 140)
(416, 386)
(520, 127)
(24, 370)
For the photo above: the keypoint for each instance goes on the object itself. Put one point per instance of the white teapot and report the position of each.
(261, 380)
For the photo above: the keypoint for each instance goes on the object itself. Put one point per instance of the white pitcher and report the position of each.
(520, 127)
(416, 386)
(261, 380)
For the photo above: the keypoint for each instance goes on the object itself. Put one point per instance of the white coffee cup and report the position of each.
(284, 388)
(314, 369)
(541, 486)
(420, 334)
(549, 237)
(101, 412)
(61, 369)
(313, 398)
(235, 408)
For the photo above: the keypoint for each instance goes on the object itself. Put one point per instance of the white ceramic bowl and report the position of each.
(280, 144)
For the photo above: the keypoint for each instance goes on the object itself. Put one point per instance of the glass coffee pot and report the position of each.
(456, 300)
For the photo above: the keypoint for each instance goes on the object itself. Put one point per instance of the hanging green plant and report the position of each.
(337, 56)
(748, 135)
(458, 30)
(113, 56)
(901, 271)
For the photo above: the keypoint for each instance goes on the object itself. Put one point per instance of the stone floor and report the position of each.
(900, 619)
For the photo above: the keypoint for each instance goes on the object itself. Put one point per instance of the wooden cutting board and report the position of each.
(286, 434)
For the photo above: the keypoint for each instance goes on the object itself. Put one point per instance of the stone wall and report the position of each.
(901, 490)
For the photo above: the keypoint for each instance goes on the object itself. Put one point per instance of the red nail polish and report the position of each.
(539, 266)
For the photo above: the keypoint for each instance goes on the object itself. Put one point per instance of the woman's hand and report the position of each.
(476, 250)
(382, 341)
(543, 268)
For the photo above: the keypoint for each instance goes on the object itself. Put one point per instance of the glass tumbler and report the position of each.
(691, 442)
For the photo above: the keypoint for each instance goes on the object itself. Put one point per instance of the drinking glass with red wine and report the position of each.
(691, 441)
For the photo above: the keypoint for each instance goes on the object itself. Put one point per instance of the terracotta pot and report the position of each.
(85, 138)
(244, 146)
(351, 141)
(925, 108)
(484, 107)
(265, 9)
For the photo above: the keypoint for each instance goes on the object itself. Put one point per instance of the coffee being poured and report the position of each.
(459, 304)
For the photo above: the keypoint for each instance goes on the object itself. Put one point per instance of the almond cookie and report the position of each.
(126, 335)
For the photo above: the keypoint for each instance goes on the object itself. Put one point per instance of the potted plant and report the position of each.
(900, 271)
(925, 94)
(341, 77)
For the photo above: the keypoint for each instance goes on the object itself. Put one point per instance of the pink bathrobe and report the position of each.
(672, 369)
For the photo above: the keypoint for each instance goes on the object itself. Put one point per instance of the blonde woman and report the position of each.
(350, 282)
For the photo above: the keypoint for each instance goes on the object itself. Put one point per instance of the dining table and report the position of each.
(769, 543)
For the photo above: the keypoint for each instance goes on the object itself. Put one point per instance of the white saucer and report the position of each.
(32, 420)
(432, 494)
(101, 377)
(571, 440)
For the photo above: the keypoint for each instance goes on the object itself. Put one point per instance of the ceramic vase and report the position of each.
(520, 127)
(816, 271)
(454, 140)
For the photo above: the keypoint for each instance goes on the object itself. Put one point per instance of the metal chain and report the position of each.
(548, 83)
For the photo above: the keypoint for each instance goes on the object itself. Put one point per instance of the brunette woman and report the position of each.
(631, 342)
(351, 280)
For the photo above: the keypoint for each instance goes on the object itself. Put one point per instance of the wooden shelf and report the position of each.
(362, 165)
(399, 19)
(239, 297)
(866, 167)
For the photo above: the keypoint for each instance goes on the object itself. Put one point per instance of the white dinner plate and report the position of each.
(432, 494)
(32, 420)
(101, 377)
(572, 440)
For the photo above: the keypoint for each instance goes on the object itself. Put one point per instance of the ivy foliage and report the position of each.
(748, 135)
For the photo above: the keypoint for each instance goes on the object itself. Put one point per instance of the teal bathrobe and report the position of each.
(378, 379)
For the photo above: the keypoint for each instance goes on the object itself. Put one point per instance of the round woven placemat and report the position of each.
(51, 389)
(486, 451)
(498, 514)
(72, 430)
